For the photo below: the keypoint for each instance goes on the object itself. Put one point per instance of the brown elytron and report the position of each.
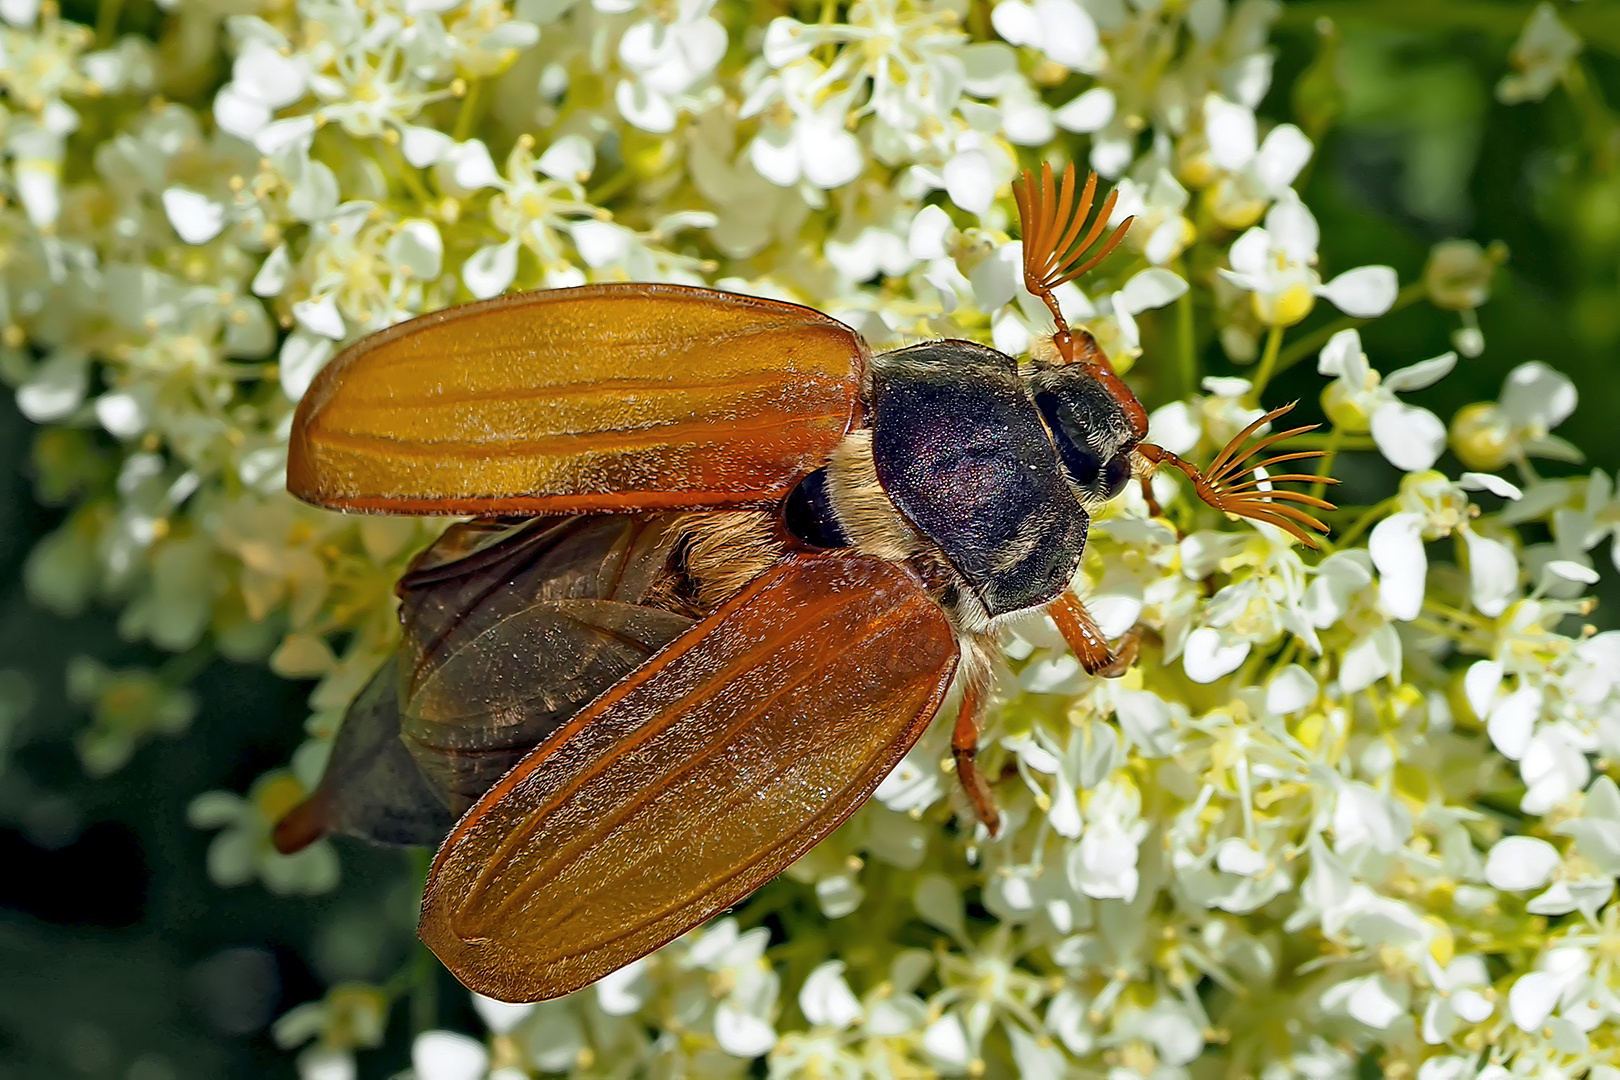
(692, 782)
(604, 397)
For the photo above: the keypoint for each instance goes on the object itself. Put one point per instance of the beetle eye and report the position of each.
(1115, 476)
(1081, 464)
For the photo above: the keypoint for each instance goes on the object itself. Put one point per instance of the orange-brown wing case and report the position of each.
(694, 781)
(601, 398)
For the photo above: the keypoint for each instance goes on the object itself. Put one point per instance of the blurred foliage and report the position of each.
(122, 960)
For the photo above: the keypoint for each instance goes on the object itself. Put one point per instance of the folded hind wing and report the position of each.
(613, 397)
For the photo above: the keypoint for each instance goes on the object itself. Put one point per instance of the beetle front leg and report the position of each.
(965, 751)
(1079, 629)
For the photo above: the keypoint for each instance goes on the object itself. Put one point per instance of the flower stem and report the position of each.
(107, 21)
(468, 113)
(1360, 525)
(407, 175)
(1324, 467)
(1268, 364)
(1186, 341)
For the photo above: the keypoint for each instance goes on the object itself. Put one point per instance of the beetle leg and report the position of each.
(1089, 645)
(965, 750)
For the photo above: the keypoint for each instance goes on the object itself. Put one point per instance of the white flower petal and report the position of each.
(1475, 481)
(1396, 546)
(424, 146)
(1152, 288)
(1237, 856)
(1424, 373)
(195, 217)
(970, 181)
(490, 270)
(624, 992)
(417, 247)
(1512, 721)
(1282, 156)
(1374, 1002)
(1365, 292)
(121, 414)
(1493, 573)
(470, 166)
(741, 1034)
(1535, 395)
(826, 997)
(1570, 570)
(1410, 438)
(945, 1039)
(302, 355)
(929, 228)
(319, 315)
(239, 113)
(1290, 690)
(570, 158)
(1532, 999)
(448, 1055)
(644, 107)
(602, 243)
(1208, 656)
(55, 388)
(1480, 684)
(1371, 658)
(1066, 34)
(1293, 228)
(1091, 111)
(1520, 863)
(501, 1017)
(1231, 131)
(1250, 253)
(1552, 769)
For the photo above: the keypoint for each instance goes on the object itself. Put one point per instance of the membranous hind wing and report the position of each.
(692, 782)
(613, 397)
(514, 637)
(508, 631)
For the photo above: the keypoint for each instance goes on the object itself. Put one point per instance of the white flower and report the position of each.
(1360, 399)
(1103, 863)
(666, 60)
(1542, 53)
(816, 148)
(1062, 30)
(1534, 400)
(1277, 265)
(1462, 995)
(1254, 172)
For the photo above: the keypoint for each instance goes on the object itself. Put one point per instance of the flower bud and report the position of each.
(1458, 275)
(1481, 436)
(1344, 407)
(1285, 307)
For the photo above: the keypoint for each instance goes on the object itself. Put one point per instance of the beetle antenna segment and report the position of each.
(1248, 492)
(1054, 249)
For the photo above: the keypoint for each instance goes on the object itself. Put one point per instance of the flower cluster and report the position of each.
(1356, 803)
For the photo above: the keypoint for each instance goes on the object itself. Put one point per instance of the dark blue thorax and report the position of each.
(961, 452)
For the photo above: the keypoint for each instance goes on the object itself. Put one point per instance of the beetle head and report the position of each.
(1092, 429)
(1096, 422)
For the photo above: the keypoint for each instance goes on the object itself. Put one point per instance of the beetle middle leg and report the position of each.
(1080, 630)
(965, 751)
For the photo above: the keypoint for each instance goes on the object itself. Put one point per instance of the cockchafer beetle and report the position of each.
(724, 567)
